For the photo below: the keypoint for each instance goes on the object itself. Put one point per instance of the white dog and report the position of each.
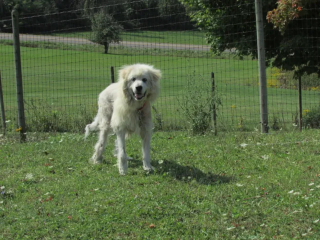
(124, 108)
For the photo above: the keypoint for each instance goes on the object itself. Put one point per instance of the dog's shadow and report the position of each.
(179, 172)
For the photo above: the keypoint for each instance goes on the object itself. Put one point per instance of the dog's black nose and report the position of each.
(139, 88)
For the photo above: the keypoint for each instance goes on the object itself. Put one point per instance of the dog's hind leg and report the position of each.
(94, 126)
(100, 146)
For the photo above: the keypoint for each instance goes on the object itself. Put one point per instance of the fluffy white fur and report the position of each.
(125, 108)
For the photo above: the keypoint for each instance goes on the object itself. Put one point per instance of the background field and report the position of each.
(62, 81)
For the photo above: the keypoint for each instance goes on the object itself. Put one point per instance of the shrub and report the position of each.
(311, 118)
(198, 103)
(43, 117)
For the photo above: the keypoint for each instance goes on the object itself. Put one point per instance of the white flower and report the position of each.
(243, 145)
(239, 185)
(290, 191)
(160, 161)
(310, 184)
(2, 187)
(297, 193)
(8, 121)
(230, 228)
(265, 157)
(316, 221)
(29, 176)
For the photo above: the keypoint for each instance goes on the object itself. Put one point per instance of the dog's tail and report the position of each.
(91, 127)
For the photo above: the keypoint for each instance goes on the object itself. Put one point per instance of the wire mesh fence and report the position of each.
(64, 70)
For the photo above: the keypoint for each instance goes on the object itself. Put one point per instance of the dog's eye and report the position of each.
(144, 79)
(133, 79)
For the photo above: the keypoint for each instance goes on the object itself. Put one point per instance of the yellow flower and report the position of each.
(305, 112)
(19, 129)
(233, 106)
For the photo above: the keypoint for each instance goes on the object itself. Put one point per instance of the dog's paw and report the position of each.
(95, 161)
(123, 172)
(148, 168)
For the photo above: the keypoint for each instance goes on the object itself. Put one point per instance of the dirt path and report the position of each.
(69, 40)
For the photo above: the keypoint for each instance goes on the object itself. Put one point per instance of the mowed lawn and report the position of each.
(66, 81)
(234, 186)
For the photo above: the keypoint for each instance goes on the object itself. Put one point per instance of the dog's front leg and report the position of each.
(146, 140)
(122, 156)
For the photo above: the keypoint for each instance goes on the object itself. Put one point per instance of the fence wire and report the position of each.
(64, 70)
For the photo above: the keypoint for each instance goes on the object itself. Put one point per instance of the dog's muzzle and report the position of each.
(138, 94)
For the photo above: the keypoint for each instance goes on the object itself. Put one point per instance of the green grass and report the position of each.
(204, 187)
(175, 37)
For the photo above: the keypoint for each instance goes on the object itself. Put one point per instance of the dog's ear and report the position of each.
(124, 72)
(155, 74)
(123, 79)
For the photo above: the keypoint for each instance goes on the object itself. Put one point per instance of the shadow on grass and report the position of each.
(184, 173)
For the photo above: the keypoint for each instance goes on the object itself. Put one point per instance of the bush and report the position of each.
(198, 104)
(311, 118)
(43, 117)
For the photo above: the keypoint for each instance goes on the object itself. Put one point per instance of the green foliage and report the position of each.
(105, 29)
(311, 118)
(294, 50)
(29, 6)
(198, 103)
(42, 117)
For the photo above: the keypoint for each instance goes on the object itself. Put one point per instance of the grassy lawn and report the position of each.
(234, 186)
(175, 37)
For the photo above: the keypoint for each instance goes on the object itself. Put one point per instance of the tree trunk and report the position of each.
(106, 48)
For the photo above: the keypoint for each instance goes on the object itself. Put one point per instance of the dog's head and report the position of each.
(140, 82)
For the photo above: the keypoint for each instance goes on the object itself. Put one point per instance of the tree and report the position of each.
(105, 29)
(231, 24)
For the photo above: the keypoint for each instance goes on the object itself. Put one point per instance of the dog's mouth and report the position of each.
(139, 96)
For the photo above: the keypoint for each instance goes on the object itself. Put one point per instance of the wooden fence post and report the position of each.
(214, 110)
(17, 57)
(262, 68)
(3, 116)
(112, 74)
(300, 105)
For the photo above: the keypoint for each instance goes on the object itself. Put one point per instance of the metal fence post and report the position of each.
(262, 68)
(3, 116)
(17, 57)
